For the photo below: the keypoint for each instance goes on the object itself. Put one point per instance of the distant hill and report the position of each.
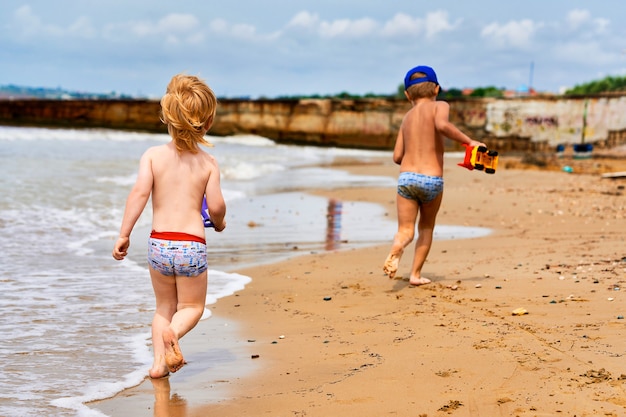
(15, 91)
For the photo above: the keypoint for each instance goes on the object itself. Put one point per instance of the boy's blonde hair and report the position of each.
(425, 89)
(188, 108)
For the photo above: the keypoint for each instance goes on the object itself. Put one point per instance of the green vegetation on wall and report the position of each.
(605, 85)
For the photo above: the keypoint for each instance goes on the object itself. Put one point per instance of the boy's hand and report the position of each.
(120, 250)
(476, 143)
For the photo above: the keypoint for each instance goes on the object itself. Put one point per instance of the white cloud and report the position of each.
(26, 21)
(304, 19)
(402, 24)
(243, 31)
(578, 18)
(575, 18)
(437, 22)
(177, 22)
(83, 27)
(166, 26)
(347, 28)
(27, 24)
(240, 31)
(218, 25)
(602, 25)
(512, 34)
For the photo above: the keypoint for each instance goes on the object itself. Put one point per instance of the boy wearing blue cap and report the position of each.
(419, 152)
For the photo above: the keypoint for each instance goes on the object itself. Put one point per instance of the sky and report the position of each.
(274, 48)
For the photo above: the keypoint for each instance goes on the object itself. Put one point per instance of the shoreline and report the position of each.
(357, 342)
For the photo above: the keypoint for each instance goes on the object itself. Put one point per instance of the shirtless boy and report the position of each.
(419, 152)
(178, 175)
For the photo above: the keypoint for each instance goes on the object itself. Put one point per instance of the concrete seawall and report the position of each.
(538, 123)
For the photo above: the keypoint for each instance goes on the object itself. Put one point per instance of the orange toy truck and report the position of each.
(480, 158)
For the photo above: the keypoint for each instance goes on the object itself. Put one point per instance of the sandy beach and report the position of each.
(528, 321)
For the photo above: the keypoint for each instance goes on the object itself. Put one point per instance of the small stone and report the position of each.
(520, 311)
(478, 286)
(254, 356)
(328, 298)
(620, 317)
(282, 336)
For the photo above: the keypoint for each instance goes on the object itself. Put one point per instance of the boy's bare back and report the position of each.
(176, 204)
(421, 143)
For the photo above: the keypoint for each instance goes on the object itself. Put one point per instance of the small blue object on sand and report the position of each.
(205, 214)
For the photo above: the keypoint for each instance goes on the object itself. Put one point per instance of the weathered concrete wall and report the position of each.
(114, 114)
(362, 123)
(548, 122)
(504, 124)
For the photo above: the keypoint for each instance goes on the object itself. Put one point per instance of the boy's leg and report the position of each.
(166, 301)
(425, 229)
(191, 296)
(407, 215)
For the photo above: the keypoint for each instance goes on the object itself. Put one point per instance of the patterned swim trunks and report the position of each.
(177, 254)
(419, 187)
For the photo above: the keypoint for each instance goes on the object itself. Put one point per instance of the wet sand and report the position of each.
(329, 335)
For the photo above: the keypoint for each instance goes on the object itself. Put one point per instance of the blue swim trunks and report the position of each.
(419, 187)
(170, 255)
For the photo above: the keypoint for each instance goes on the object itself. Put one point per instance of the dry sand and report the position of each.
(359, 344)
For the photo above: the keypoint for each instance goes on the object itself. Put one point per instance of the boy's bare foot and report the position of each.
(391, 264)
(173, 356)
(419, 281)
(159, 369)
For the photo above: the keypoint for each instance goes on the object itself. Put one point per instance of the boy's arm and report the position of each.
(398, 150)
(448, 129)
(215, 199)
(135, 203)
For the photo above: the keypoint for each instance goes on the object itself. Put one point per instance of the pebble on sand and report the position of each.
(520, 311)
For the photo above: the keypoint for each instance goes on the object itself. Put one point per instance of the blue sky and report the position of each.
(272, 48)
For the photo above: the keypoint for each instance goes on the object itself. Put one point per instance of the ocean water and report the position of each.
(64, 299)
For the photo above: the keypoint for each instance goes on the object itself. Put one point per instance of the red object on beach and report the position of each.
(467, 161)
(480, 158)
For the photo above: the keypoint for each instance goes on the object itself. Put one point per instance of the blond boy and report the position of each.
(178, 175)
(419, 152)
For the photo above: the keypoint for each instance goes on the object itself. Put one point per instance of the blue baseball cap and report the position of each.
(430, 76)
